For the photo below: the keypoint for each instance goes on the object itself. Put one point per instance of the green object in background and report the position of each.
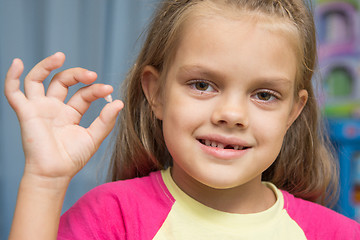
(339, 83)
(339, 86)
(344, 110)
(355, 3)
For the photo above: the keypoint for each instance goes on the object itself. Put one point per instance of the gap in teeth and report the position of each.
(220, 145)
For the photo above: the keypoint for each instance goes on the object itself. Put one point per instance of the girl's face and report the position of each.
(228, 102)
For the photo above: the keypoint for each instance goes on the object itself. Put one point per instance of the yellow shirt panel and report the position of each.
(189, 219)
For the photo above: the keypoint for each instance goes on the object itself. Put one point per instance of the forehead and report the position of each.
(210, 9)
(215, 39)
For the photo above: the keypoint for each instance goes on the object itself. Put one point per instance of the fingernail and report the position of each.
(91, 73)
(57, 53)
(14, 61)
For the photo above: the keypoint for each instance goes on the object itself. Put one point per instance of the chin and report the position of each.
(222, 182)
(221, 177)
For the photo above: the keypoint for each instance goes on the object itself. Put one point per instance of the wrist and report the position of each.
(40, 199)
(44, 183)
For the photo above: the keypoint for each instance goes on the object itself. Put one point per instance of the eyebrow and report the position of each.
(278, 81)
(207, 72)
(202, 71)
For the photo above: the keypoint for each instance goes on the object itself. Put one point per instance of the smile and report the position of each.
(220, 145)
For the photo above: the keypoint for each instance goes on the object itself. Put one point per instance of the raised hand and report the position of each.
(55, 146)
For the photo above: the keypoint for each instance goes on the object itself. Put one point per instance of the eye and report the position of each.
(266, 96)
(202, 86)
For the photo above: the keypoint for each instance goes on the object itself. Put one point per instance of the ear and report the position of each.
(150, 85)
(298, 106)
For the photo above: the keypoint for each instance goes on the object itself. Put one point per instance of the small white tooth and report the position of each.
(236, 147)
(108, 98)
(213, 144)
(207, 142)
(220, 145)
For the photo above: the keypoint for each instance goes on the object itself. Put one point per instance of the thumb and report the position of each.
(104, 123)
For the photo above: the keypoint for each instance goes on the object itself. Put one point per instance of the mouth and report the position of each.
(220, 145)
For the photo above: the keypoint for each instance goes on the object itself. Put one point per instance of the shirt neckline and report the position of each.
(229, 221)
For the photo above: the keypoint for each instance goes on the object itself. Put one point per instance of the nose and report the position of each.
(231, 112)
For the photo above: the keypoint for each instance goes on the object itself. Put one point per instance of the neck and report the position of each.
(251, 197)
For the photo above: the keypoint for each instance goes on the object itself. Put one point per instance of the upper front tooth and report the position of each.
(220, 145)
(237, 147)
(207, 142)
(213, 144)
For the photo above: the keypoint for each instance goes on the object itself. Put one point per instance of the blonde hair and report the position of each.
(305, 166)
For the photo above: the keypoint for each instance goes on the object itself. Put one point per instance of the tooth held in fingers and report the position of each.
(108, 98)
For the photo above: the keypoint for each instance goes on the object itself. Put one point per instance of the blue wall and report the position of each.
(96, 34)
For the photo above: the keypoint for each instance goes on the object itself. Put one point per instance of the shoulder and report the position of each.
(142, 190)
(119, 208)
(319, 222)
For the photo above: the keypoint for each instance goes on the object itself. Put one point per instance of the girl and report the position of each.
(220, 114)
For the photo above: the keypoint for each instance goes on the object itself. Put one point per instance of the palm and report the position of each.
(54, 143)
(65, 147)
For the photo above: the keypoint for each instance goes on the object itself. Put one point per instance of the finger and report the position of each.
(83, 98)
(102, 125)
(33, 83)
(60, 83)
(12, 84)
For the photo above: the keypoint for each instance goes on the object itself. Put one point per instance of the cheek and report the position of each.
(178, 118)
(271, 130)
(177, 129)
(184, 112)
(182, 117)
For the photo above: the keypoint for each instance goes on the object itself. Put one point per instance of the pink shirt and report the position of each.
(145, 208)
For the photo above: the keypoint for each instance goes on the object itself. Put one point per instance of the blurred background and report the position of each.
(105, 35)
(100, 35)
(338, 28)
